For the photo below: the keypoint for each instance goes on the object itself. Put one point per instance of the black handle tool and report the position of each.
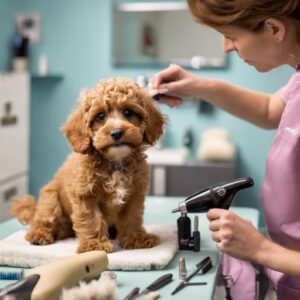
(132, 293)
(216, 196)
(154, 286)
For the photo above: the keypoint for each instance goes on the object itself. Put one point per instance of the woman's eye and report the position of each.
(100, 116)
(128, 113)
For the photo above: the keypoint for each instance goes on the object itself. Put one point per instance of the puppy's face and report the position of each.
(115, 118)
(117, 121)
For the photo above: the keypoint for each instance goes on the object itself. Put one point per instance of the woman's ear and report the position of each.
(276, 28)
(154, 122)
(76, 129)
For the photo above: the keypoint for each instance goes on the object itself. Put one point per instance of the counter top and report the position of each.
(158, 211)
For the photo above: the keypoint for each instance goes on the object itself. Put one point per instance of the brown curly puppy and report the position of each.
(104, 182)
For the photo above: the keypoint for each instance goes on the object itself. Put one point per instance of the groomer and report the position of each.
(266, 35)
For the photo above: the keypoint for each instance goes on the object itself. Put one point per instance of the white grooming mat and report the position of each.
(15, 251)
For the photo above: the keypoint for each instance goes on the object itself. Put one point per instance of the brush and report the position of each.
(11, 275)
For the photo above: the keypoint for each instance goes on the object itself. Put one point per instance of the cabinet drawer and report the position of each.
(17, 187)
(14, 124)
(184, 180)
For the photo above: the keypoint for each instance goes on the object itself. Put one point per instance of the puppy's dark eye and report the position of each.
(100, 116)
(128, 113)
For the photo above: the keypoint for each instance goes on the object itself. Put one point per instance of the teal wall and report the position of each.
(76, 37)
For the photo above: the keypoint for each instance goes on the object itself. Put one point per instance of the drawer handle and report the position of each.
(8, 119)
(9, 193)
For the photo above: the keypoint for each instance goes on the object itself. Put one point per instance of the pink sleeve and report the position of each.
(284, 92)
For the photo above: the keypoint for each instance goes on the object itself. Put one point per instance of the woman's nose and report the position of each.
(228, 45)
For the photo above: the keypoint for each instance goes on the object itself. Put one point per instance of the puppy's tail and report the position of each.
(23, 209)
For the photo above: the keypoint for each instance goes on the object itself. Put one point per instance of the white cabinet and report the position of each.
(14, 138)
(14, 187)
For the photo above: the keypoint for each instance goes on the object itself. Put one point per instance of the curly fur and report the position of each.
(104, 182)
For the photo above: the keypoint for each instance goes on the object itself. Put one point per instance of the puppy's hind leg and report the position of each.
(48, 213)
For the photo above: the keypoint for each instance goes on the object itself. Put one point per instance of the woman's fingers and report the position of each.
(167, 75)
(216, 236)
(169, 100)
(214, 225)
(214, 214)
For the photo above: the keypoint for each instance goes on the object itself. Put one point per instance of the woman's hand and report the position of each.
(174, 83)
(235, 236)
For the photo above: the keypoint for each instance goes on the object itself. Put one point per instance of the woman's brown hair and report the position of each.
(248, 14)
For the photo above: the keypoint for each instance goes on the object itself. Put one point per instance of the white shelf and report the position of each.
(48, 76)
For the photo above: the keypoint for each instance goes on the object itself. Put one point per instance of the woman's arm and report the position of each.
(261, 109)
(279, 258)
(239, 238)
(258, 108)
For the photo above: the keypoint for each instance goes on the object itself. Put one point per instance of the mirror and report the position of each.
(155, 34)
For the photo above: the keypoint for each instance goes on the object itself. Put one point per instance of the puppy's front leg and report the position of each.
(90, 227)
(131, 233)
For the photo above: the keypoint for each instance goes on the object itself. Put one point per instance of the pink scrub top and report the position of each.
(280, 197)
(280, 194)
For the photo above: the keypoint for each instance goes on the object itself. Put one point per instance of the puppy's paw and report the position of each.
(144, 240)
(39, 237)
(90, 245)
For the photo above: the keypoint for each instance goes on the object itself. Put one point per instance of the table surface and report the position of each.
(158, 211)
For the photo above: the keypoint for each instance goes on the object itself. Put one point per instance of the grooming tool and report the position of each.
(132, 293)
(182, 269)
(227, 282)
(154, 286)
(184, 231)
(187, 241)
(46, 282)
(22, 289)
(156, 97)
(196, 235)
(203, 266)
(154, 94)
(184, 284)
(16, 275)
(215, 196)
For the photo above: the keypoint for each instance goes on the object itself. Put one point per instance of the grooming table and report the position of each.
(158, 211)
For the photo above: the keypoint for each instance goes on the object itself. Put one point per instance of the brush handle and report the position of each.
(66, 273)
(159, 282)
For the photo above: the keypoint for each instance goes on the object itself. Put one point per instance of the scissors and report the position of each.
(203, 267)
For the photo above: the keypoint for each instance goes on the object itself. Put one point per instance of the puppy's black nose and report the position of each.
(116, 134)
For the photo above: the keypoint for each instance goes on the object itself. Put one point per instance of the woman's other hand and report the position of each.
(174, 83)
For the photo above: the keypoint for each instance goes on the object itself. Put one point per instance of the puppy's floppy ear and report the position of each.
(76, 127)
(154, 122)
